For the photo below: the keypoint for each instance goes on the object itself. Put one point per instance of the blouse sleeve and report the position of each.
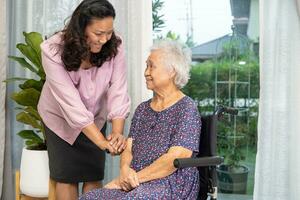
(187, 133)
(63, 90)
(118, 100)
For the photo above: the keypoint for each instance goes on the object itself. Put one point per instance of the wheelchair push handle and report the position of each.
(198, 162)
(223, 109)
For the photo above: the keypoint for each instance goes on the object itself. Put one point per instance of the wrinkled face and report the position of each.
(98, 32)
(157, 75)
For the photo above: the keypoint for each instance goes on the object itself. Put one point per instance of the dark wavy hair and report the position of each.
(75, 48)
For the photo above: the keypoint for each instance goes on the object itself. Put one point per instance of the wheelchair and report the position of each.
(207, 160)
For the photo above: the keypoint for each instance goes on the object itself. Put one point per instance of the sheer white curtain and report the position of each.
(3, 65)
(277, 174)
(298, 6)
(133, 21)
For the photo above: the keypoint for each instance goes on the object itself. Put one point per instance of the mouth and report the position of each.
(96, 48)
(98, 45)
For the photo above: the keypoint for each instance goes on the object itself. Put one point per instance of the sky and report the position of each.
(210, 18)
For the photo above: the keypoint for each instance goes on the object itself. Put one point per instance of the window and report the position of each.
(224, 39)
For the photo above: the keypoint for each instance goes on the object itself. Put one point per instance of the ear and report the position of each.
(172, 73)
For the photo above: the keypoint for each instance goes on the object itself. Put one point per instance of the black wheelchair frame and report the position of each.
(207, 160)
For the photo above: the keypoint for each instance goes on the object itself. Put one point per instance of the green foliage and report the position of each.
(202, 88)
(30, 90)
(173, 36)
(190, 42)
(157, 20)
(230, 144)
(158, 23)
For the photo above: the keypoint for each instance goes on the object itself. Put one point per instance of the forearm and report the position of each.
(160, 168)
(163, 166)
(94, 134)
(126, 156)
(118, 125)
(128, 178)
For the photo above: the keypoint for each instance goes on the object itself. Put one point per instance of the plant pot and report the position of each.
(34, 173)
(232, 181)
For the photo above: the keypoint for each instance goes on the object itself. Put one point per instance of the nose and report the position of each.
(146, 72)
(103, 39)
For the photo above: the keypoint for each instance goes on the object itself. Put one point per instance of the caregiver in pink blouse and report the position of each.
(85, 86)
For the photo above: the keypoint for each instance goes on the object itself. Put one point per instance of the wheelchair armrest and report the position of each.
(198, 162)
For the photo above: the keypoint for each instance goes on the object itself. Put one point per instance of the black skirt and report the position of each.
(81, 162)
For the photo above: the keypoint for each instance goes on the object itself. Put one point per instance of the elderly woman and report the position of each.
(163, 128)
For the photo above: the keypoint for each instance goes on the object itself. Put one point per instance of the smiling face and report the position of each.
(98, 32)
(156, 73)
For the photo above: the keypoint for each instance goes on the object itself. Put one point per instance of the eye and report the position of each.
(152, 65)
(99, 34)
(149, 65)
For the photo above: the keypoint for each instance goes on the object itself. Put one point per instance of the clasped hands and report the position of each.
(128, 180)
(115, 143)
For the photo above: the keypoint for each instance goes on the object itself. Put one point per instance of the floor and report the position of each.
(234, 197)
(23, 197)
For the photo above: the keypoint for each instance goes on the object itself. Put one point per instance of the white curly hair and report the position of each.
(176, 56)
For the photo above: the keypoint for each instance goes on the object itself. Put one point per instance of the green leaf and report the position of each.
(34, 40)
(30, 143)
(33, 112)
(30, 135)
(42, 75)
(24, 63)
(29, 52)
(31, 83)
(33, 146)
(26, 118)
(15, 79)
(27, 97)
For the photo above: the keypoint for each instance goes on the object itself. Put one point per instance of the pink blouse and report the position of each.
(70, 101)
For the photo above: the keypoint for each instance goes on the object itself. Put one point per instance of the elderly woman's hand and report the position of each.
(114, 184)
(117, 141)
(128, 179)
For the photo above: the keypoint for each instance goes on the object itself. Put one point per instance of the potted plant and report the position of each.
(34, 171)
(232, 175)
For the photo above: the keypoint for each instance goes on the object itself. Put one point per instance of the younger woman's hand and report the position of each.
(105, 146)
(117, 141)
